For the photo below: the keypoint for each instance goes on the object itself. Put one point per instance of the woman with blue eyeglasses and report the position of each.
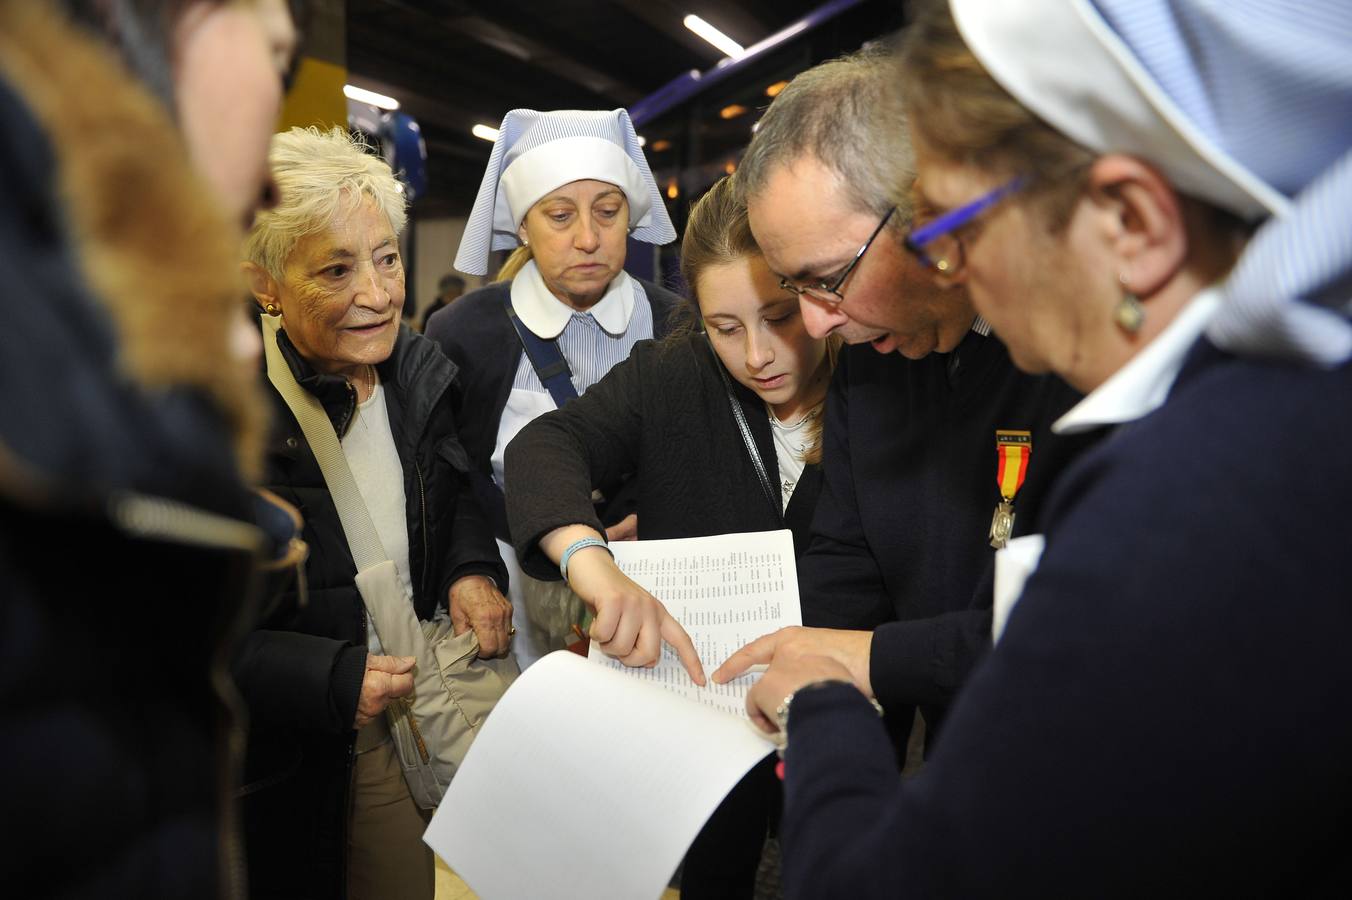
(1150, 199)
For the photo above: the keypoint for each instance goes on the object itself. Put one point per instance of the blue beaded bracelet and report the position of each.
(580, 545)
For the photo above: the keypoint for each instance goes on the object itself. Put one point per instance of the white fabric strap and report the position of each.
(362, 539)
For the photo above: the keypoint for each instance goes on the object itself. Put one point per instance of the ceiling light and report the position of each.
(642, 141)
(711, 34)
(673, 191)
(487, 132)
(661, 144)
(774, 89)
(732, 112)
(361, 95)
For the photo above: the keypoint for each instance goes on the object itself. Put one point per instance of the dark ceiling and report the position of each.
(454, 64)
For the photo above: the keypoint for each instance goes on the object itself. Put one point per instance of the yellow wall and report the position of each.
(316, 97)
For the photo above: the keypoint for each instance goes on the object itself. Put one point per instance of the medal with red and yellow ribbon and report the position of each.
(1012, 451)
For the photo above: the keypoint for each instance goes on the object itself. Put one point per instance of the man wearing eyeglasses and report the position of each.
(929, 438)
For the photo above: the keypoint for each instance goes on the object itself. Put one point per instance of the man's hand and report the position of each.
(785, 676)
(475, 602)
(849, 649)
(387, 678)
(630, 623)
(624, 530)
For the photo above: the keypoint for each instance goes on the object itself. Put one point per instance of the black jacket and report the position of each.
(301, 672)
(664, 415)
(900, 542)
(475, 333)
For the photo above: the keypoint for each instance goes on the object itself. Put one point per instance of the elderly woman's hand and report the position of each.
(475, 602)
(387, 678)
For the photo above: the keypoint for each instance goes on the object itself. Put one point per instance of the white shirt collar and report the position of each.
(547, 315)
(1142, 385)
(981, 327)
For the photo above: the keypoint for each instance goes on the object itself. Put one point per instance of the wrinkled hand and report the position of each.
(475, 602)
(786, 675)
(624, 530)
(630, 623)
(387, 678)
(850, 649)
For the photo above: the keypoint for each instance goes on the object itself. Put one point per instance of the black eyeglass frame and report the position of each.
(819, 290)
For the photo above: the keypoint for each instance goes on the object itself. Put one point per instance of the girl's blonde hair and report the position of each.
(717, 233)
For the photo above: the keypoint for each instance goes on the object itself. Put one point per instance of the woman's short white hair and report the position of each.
(320, 175)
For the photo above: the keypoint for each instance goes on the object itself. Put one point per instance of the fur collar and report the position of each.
(154, 247)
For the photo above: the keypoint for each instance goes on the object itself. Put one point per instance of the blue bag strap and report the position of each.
(546, 358)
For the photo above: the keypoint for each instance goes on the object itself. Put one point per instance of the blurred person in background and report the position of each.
(131, 428)
(449, 289)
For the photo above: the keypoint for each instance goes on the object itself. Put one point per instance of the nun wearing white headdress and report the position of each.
(564, 191)
(1152, 198)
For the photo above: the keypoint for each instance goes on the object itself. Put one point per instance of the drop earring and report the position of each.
(1129, 314)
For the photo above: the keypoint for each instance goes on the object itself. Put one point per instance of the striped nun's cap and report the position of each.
(536, 152)
(1246, 104)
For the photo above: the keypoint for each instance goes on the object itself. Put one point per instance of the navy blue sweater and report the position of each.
(900, 540)
(1166, 713)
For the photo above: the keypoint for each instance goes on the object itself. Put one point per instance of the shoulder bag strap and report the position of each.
(771, 494)
(545, 357)
(367, 551)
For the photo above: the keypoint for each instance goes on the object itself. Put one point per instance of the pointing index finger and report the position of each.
(675, 635)
(757, 653)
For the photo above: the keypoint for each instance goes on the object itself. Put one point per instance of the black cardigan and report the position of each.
(663, 414)
(900, 540)
(475, 334)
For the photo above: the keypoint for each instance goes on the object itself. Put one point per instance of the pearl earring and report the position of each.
(1130, 313)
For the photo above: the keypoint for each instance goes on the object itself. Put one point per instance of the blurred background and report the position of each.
(428, 81)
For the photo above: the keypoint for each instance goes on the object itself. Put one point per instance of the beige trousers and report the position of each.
(387, 859)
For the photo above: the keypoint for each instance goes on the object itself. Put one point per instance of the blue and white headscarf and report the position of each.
(1246, 104)
(536, 152)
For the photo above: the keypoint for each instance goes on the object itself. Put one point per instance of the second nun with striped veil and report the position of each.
(563, 191)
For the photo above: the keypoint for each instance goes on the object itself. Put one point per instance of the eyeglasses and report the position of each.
(937, 246)
(831, 293)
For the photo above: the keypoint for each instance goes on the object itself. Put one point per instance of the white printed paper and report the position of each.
(726, 591)
(589, 781)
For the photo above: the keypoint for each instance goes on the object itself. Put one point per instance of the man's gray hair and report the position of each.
(848, 114)
(320, 175)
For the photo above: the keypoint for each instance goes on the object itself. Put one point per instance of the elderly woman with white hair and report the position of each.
(564, 191)
(1150, 198)
(328, 813)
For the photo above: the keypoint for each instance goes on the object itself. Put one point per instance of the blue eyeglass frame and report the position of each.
(952, 220)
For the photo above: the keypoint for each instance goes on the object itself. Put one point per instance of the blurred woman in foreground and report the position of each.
(134, 145)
